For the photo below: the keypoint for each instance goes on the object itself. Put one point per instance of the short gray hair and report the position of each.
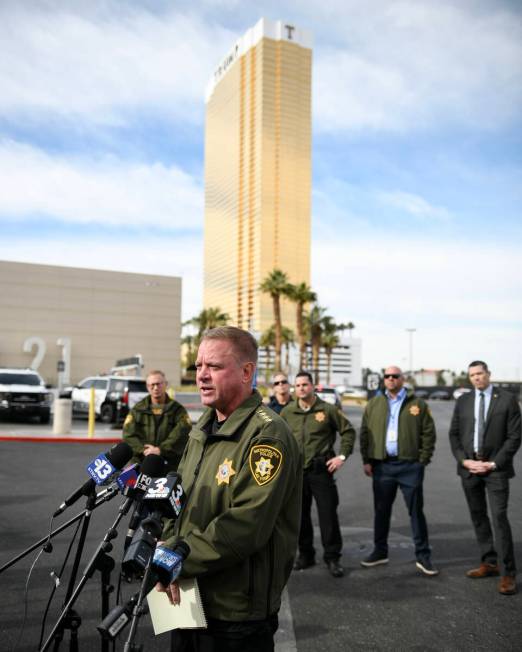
(244, 343)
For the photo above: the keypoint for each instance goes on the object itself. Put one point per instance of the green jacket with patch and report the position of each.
(416, 436)
(241, 519)
(170, 432)
(315, 430)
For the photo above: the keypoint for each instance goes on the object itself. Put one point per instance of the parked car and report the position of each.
(329, 395)
(421, 393)
(354, 392)
(460, 391)
(110, 394)
(135, 390)
(440, 395)
(23, 392)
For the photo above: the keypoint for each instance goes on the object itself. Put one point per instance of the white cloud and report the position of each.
(105, 190)
(464, 300)
(389, 64)
(414, 205)
(407, 65)
(99, 63)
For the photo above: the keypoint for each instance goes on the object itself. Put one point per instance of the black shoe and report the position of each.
(426, 567)
(335, 568)
(302, 562)
(375, 559)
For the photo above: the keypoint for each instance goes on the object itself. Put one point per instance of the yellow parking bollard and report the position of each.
(92, 414)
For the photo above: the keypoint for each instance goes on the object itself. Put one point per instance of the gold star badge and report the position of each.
(265, 462)
(415, 410)
(264, 466)
(320, 416)
(225, 472)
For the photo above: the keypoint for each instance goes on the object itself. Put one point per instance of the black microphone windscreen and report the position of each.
(153, 466)
(119, 454)
(182, 549)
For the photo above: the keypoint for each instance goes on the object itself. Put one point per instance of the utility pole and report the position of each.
(410, 331)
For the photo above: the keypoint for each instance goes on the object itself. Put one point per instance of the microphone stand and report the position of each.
(101, 561)
(100, 499)
(140, 608)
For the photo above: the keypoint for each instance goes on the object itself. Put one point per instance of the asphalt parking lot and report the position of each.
(390, 607)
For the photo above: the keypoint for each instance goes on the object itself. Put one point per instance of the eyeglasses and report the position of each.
(396, 376)
(280, 382)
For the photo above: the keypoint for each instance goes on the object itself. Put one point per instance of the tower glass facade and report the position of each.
(258, 172)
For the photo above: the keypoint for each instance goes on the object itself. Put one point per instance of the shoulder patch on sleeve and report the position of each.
(128, 420)
(265, 463)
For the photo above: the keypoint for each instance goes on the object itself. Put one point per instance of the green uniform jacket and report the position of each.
(242, 515)
(170, 433)
(416, 436)
(316, 429)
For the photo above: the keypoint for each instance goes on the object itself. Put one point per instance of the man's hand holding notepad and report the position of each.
(188, 614)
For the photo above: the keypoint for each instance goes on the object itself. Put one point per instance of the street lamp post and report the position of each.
(411, 331)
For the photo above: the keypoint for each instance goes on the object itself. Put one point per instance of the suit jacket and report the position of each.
(502, 433)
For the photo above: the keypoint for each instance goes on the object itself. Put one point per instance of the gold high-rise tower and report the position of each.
(258, 172)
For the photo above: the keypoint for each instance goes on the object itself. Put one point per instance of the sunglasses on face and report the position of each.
(280, 382)
(396, 376)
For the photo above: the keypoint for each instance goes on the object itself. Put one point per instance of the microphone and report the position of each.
(101, 470)
(164, 497)
(166, 567)
(153, 466)
(167, 563)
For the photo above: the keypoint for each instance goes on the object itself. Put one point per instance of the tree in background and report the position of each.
(329, 340)
(207, 318)
(301, 294)
(267, 341)
(287, 338)
(276, 284)
(346, 327)
(316, 321)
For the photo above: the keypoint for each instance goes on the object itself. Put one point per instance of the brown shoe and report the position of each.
(507, 585)
(484, 570)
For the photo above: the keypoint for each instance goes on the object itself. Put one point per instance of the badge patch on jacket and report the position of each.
(414, 410)
(128, 420)
(265, 462)
(225, 472)
(320, 416)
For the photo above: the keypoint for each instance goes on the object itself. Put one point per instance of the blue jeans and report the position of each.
(387, 478)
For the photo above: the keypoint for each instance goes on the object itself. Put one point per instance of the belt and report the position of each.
(391, 458)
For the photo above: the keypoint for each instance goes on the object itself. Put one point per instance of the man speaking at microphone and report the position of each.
(242, 475)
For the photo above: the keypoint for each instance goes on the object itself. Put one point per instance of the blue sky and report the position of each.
(416, 156)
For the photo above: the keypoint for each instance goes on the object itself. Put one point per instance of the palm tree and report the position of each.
(266, 341)
(276, 285)
(349, 327)
(207, 318)
(288, 338)
(316, 321)
(329, 340)
(301, 294)
(190, 356)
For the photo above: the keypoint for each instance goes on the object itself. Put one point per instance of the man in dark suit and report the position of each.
(485, 434)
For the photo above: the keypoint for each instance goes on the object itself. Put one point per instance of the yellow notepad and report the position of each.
(188, 614)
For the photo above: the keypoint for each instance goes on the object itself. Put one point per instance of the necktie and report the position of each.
(481, 422)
